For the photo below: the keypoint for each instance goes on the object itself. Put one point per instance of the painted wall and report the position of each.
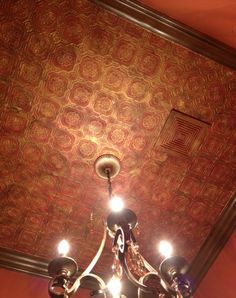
(20, 285)
(215, 18)
(220, 280)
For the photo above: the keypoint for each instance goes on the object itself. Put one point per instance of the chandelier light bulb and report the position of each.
(116, 204)
(63, 247)
(114, 286)
(165, 248)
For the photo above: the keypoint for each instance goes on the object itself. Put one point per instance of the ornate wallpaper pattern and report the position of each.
(76, 82)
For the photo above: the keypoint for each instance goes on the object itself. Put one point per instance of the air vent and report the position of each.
(182, 134)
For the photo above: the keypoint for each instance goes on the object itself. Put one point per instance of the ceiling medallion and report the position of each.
(169, 281)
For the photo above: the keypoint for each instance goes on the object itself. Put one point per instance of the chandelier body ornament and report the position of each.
(169, 281)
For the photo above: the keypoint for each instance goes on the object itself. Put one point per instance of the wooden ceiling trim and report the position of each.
(22, 262)
(33, 265)
(219, 235)
(172, 30)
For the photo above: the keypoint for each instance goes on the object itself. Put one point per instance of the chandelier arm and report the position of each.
(174, 291)
(148, 266)
(86, 272)
(124, 234)
(127, 237)
(143, 279)
(166, 290)
(134, 280)
(102, 284)
(153, 271)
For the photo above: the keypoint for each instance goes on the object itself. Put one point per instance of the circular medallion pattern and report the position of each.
(20, 9)
(6, 63)
(9, 146)
(150, 121)
(45, 17)
(126, 111)
(63, 139)
(20, 98)
(31, 153)
(95, 127)
(39, 45)
(47, 183)
(137, 89)
(11, 34)
(30, 72)
(14, 122)
(39, 131)
(78, 169)
(64, 57)
(124, 52)
(104, 104)
(87, 148)
(114, 79)
(57, 84)
(90, 69)
(72, 29)
(100, 41)
(118, 135)
(72, 118)
(55, 161)
(48, 109)
(148, 64)
(173, 74)
(138, 143)
(81, 94)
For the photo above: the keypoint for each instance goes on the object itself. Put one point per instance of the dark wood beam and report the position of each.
(219, 235)
(172, 30)
(18, 261)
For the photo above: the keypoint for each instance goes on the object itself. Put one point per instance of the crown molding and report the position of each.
(216, 240)
(172, 30)
(33, 265)
(15, 260)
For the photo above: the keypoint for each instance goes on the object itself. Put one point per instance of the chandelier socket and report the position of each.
(173, 267)
(115, 219)
(107, 164)
(62, 266)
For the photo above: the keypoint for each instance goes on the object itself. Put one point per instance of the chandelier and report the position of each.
(168, 281)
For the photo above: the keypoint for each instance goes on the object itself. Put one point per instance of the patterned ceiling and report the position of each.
(76, 82)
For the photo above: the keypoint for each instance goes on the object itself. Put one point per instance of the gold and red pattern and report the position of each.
(76, 82)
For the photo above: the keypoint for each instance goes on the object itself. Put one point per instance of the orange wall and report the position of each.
(213, 17)
(220, 280)
(20, 285)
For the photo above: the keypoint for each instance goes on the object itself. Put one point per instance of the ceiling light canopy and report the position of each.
(170, 278)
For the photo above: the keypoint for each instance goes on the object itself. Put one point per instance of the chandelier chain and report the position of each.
(108, 173)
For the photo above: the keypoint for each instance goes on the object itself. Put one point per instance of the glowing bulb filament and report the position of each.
(116, 204)
(165, 248)
(114, 286)
(63, 248)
